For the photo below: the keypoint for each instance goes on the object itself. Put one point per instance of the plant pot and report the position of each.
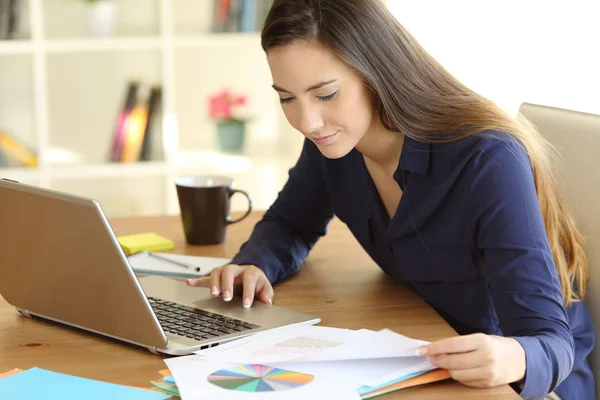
(103, 18)
(231, 134)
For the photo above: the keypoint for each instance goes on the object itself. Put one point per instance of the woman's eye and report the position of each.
(328, 97)
(322, 98)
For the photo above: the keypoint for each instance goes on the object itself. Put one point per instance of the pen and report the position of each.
(181, 264)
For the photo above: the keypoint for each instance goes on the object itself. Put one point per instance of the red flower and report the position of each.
(221, 104)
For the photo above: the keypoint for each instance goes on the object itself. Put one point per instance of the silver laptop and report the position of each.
(61, 261)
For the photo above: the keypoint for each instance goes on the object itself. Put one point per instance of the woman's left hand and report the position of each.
(478, 360)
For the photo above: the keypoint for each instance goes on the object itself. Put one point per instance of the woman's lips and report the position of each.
(325, 140)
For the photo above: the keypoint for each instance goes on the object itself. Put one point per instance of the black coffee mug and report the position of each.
(204, 202)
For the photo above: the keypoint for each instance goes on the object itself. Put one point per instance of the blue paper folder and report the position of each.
(37, 383)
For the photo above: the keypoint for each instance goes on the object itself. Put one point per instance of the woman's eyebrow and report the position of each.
(313, 87)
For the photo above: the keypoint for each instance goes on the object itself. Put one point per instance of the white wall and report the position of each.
(511, 51)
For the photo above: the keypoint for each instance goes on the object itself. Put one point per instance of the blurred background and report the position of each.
(114, 99)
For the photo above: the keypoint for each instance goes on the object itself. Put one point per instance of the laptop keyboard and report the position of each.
(194, 323)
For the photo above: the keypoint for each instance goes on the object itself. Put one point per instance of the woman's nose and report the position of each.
(311, 122)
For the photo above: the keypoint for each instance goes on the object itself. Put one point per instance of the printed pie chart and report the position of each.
(258, 378)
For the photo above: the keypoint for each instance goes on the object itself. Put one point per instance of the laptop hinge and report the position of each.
(24, 312)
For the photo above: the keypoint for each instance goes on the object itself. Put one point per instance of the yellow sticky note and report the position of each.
(139, 242)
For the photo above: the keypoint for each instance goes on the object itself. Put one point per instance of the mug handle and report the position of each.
(231, 193)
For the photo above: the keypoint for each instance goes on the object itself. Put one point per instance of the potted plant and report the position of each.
(226, 109)
(102, 17)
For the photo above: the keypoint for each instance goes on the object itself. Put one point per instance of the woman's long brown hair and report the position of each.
(416, 96)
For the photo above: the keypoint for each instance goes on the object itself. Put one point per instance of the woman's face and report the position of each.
(321, 97)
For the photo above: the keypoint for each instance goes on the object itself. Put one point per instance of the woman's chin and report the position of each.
(334, 151)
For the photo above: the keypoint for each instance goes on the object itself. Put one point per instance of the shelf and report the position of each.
(120, 196)
(8, 47)
(133, 43)
(116, 170)
(214, 161)
(64, 89)
(109, 44)
(241, 39)
(57, 46)
(207, 161)
(20, 174)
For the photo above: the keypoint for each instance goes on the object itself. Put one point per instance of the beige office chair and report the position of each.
(576, 135)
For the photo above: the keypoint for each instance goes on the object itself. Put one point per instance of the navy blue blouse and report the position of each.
(468, 236)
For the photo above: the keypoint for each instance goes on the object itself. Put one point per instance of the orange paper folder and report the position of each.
(429, 377)
(9, 373)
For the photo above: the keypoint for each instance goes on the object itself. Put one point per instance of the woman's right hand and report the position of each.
(223, 279)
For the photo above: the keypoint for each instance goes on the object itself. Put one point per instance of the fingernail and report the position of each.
(227, 295)
(214, 291)
(246, 303)
(422, 351)
(190, 282)
(270, 302)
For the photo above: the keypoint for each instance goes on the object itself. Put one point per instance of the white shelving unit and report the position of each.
(78, 46)
(171, 59)
(16, 47)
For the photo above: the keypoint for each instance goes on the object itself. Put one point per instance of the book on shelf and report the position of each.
(13, 149)
(10, 19)
(248, 15)
(133, 131)
(240, 15)
(121, 123)
(136, 129)
(150, 143)
(4, 18)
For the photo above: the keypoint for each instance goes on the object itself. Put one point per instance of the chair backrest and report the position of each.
(576, 135)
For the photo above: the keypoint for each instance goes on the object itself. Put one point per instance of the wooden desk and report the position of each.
(338, 283)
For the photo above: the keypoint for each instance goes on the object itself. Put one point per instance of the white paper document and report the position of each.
(369, 345)
(314, 343)
(366, 372)
(200, 379)
(282, 344)
(319, 362)
(175, 265)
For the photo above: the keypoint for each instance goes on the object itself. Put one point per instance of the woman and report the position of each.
(442, 189)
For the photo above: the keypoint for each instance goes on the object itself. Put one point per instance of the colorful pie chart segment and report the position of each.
(258, 378)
